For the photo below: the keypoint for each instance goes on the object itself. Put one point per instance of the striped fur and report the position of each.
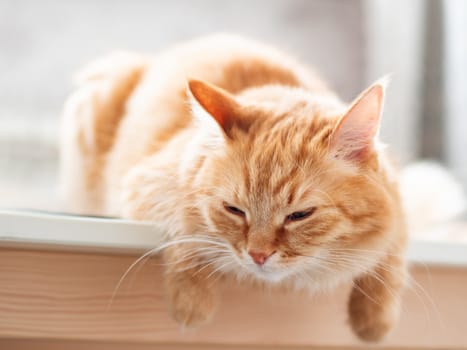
(258, 131)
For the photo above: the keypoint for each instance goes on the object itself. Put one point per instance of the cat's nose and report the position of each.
(260, 257)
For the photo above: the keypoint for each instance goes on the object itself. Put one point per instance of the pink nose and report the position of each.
(260, 257)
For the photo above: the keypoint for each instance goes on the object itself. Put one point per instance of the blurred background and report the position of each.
(352, 43)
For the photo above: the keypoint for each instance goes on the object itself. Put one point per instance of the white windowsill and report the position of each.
(48, 230)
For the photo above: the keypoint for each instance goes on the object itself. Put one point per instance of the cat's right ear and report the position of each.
(357, 130)
(216, 102)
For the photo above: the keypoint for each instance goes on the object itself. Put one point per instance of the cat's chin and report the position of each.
(295, 277)
(269, 275)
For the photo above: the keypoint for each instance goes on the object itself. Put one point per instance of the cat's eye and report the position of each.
(234, 210)
(300, 215)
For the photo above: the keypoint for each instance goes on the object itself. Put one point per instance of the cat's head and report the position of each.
(293, 182)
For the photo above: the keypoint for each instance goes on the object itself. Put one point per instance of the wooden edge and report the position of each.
(57, 344)
(62, 296)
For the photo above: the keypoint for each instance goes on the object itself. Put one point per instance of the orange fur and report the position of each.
(223, 162)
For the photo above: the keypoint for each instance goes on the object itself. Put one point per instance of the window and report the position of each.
(420, 43)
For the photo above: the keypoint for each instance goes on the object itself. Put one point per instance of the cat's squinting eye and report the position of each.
(300, 215)
(234, 210)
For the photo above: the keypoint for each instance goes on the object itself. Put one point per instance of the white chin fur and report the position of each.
(267, 274)
(305, 275)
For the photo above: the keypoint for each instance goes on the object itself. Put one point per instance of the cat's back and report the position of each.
(159, 108)
(141, 105)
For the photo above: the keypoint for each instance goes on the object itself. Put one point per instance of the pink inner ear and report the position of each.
(217, 102)
(356, 130)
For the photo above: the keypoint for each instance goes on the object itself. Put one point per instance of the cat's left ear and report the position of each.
(356, 131)
(219, 104)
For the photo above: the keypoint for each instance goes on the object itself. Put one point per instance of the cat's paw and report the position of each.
(371, 320)
(192, 308)
(370, 330)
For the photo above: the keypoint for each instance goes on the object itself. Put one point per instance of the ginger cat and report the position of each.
(253, 166)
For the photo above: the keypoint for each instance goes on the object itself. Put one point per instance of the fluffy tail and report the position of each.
(431, 197)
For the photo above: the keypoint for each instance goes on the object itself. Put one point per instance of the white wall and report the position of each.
(455, 70)
(395, 46)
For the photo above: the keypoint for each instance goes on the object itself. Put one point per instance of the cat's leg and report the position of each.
(191, 287)
(149, 194)
(375, 299)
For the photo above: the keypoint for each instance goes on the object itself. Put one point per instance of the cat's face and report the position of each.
(295, 191)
